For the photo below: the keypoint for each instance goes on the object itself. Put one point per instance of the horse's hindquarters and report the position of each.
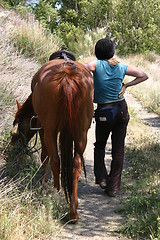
(62, 99)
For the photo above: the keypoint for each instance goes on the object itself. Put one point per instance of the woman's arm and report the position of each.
(139, 75)
(91, 65)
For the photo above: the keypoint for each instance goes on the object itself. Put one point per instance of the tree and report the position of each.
(135, 26)
(47, 14)
(93, 14)
(77, 17)
(86, 14)
(14, 3)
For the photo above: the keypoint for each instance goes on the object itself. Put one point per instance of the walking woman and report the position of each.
(111, 114)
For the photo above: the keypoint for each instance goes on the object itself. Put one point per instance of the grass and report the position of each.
(34, 42)
(28, 210)
(31, 214)
(30, 38)
(148, 92)
(142, 180)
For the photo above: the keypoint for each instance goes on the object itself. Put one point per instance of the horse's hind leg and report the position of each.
(77, 168)
(50, 141)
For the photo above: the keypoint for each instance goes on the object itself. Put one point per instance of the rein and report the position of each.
(30, 148)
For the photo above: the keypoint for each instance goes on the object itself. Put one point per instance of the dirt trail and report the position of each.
(98, 219)
(97, 212)
(150, 118)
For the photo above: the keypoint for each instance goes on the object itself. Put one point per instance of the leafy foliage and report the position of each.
(47, 14)
(84, 44)
(133, 24)
(139, 31)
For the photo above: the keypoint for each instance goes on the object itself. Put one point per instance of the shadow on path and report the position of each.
(154, 121)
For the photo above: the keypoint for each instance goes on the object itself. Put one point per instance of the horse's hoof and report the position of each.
(73, 218)
(69, 218)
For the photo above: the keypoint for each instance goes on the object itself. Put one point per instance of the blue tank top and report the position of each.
(107, 81)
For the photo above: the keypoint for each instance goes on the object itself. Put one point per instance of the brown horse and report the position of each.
(25, 125)
(62, 100)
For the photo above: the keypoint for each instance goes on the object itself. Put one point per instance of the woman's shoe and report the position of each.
(103, 184)
(111, 193)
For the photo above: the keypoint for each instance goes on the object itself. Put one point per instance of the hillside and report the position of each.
(16, 73)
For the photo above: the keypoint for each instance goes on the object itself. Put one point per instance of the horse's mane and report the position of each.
(26, 109)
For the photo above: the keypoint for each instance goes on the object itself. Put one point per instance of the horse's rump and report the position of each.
(62, 99)
(68, 87)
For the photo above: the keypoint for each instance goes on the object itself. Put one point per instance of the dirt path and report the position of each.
(98, 217)
(150, 118)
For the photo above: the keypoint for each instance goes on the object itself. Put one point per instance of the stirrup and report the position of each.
(34, 128)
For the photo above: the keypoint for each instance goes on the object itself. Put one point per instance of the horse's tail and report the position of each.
(73, 88)
(66, 151)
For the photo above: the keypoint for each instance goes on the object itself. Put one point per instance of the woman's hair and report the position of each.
(104, 49)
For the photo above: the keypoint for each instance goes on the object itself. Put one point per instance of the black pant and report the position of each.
(110, 119)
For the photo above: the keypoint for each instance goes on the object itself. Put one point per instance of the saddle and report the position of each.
(61, 54)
